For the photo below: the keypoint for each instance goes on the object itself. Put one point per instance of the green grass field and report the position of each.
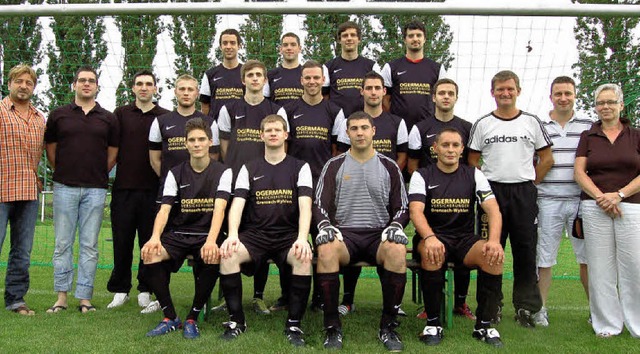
(123, 330)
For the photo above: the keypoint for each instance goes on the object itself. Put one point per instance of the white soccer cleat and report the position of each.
(151, 308)
(144, 299)
(118, 300)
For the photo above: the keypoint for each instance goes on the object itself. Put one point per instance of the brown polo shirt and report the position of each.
(82, 143)
(611, 166)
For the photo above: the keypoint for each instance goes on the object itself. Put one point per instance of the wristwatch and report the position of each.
(621, 195)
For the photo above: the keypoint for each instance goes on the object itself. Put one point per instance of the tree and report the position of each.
(261, 34)
(320, 44)
(608, 52)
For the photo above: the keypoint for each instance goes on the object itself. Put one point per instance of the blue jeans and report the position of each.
(21, 215)
(82, 209)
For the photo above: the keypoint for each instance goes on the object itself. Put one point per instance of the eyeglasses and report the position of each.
(83, 80)
(609, 103)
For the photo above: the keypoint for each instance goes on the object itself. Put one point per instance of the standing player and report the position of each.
(134, 189)
(442, 203)
(276, 191)
(507, 140)
(409, 79)
(558, 194)
(343, 75)
(361, 211)
(422, 154)
(194, 199)
(221, 84)
(284, 81)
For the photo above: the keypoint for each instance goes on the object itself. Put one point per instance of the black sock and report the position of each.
(300, 287)
(316, 296)
(330, 287)
(461, 277)
(350, 279)
(285, 282)
(231, 285)
(260, 280)
(157, 276)
(432, 283)
(488, 297)
(204, 285)
(392, 293)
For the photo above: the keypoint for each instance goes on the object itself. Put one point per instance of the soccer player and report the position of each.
(442, 199)
(558, 194)
(82, 140)
(390, 140)
(360, 208)
(134, 189)
(221, 84)
(239, 123)
(22, 135)
(507, 140)
(194, 199)
(409, 79)
(284, 81)
(269, 219)
(343, 75)
(422, 154)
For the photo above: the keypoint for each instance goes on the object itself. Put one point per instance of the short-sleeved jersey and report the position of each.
(409, 84)
(239, 123)
(423, 135)
(343, 80)
(192, 196)
(220, 86)
(450, 198)
(358, 195)
(313, 130)
(507, 146)
(271, 193)
(167, 134)
(558, 183)
(284, 85)
(390, 139)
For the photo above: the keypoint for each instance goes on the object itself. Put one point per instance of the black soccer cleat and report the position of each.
(431, 335)
(295, 336)
(391, 340)
(333, 339)
(488, 335)
(232, 330)
(525, 318)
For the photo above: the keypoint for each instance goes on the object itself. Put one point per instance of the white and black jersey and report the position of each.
(450, 198)
(507, 146)
(391, 136)
(221, 86)
(283, 85)
(343, 80)
(271, 193)
(423, 135)
(192, 196)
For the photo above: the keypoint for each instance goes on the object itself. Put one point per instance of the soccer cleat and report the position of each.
(333, 339)
(221, 307)
(496, 320)
(524, 318)
(431, 335)
(422, 315)
(316, 305)
(260, 307)
(401, 312)
(488, 335)
(118, 300)
(465, 311)
(295, 336)
(541, 318)
(190, 329)
(280, 305)
(346, 309)
(232, 330)
(165, 326)
(144, 299)
(151, 308)
(391, 340)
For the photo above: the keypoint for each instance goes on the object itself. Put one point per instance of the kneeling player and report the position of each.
(361, 210)
(194, 199)
(442, 198)
(276, 190)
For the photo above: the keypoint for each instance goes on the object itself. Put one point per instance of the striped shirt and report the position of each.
(21, 144)
(559, 182)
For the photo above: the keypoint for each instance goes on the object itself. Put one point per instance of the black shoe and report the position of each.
(232, 330)
(524, 318)
(431, 335)
(391, 340)
(498, 317)
(316, 306)
(295, 336)
(333, 339)
(488, 335)
(280, 305)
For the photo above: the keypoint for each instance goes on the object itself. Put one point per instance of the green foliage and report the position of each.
(261, 35)
(608, 52)
(320, 44)
(194, 37)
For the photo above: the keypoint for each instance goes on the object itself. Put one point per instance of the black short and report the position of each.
(179, 246)
(455, 247)
(262, 248)
(362, 244)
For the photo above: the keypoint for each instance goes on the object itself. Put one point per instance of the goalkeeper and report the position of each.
(361, 210)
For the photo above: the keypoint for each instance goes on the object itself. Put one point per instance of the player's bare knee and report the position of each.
(430, 267)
